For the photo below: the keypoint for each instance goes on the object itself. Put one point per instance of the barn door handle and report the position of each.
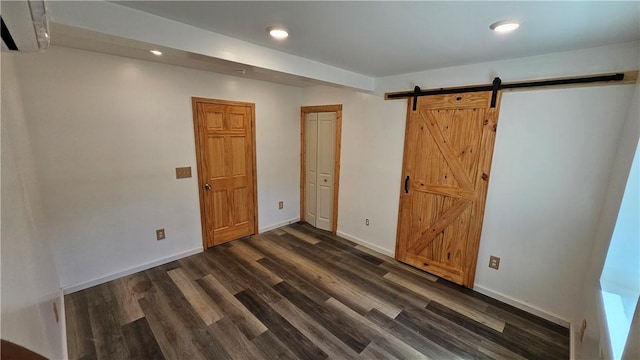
(406, 185)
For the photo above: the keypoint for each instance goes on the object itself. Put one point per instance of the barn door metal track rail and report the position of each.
(624, 78)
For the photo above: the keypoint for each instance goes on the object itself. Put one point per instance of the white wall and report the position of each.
(552, 160)
(30, 283)
(592, 310)
(553, 156)
(108, 133)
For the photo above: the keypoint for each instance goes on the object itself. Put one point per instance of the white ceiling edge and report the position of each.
(82, 39)
(112, 19)
(604, 59)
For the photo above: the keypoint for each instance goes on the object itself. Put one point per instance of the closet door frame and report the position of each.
(304, 110)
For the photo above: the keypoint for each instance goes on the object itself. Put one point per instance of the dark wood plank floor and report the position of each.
(299, 293)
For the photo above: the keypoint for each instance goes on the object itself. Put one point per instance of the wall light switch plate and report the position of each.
(183, 172)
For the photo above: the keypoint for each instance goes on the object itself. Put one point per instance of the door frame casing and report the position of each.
(199, 142)
(304, 110)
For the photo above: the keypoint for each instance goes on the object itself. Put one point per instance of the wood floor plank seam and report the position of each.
(299, 344)
(522, 346)
(340, 327)
(338, 275)
(478, 316)
(325, 340)
(207, 311)
(254, 267)
(388, 342)
(421, 342)
(333, 285)
(384, 289)
(302, 285)
(443, 332)
(140, 340)
(186, 317)
(246, 322)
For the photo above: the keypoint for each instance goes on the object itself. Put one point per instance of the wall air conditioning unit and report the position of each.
(25, 26)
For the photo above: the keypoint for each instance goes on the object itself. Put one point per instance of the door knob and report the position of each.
(207, 186)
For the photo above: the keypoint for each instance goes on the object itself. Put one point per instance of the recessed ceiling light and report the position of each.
(504, 26)
(278, 33)
(156, 52)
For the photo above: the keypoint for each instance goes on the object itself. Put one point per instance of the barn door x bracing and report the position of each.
(226, 169)
(447, 157)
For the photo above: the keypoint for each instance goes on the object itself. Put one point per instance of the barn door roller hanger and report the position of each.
(497, 85)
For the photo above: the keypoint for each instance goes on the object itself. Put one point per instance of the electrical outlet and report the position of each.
(281, 205)
(366, 222)
(494, 262)
(160, 234)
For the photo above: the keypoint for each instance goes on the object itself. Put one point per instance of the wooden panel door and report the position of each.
(447, 157)
(226, 169)
(320, 138)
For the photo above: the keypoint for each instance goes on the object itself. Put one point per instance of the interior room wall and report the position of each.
(30, 284)
(592, 310)
(552, 161)
(553, 155)
(108, 133)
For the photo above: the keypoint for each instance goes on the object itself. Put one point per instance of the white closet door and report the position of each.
(311, 157)
(320, 131)
(325, 169)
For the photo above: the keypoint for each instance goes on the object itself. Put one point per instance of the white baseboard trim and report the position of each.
(371, 246)
(62, 315)
(547, 315)
(135, 269)
(275, 226)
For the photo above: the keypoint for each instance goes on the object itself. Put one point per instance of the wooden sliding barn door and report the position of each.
(226, 169)
(447, 157)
